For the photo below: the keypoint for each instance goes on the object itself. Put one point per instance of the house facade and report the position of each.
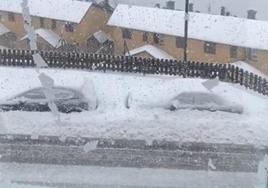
(212, 38)
(74, 21)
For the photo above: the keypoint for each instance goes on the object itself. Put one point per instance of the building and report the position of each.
(100, 42)
(72, 20)
(7, 38)
(149, 51)
(46, 40)
(212, 38)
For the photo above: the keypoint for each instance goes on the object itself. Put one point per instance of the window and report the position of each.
(126, 34)
(42, 22)
(179, 42)
(11, 17)
(233, 52)
(53, 24)
(156, 38)
(210, 48)
(252, 54)
(145, 37)
(69, 27)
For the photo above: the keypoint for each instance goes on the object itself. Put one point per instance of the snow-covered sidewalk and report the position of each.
(147, 118)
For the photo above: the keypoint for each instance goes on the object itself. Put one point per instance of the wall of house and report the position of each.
(16, 26)
(94, 20)
(195, 47)
(262, 61)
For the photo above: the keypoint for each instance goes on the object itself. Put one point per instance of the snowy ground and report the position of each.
(146, 118)
(102, 177)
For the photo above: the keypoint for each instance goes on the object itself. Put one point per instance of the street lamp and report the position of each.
(186, 18)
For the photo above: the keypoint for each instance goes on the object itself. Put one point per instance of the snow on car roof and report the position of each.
(214, 28)
(3, 29)
(152, 50)
(67, 10)
(52, 38)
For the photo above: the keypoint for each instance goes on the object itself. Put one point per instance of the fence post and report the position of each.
(241, 76)
(247, 79)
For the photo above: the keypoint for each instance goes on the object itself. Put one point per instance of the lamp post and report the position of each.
(186, 29)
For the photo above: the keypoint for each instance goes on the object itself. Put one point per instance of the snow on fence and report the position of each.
(99, 62)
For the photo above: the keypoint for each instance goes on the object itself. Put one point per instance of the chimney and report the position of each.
(157, 5)
(252, 14)
(171, 5)
(223, 11)
(191, 7)
(228, 13)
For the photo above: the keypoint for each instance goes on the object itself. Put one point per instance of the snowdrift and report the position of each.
(133, 106)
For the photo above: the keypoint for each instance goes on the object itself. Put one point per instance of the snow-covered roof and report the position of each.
(52, 38)
(101, 36)
(152, 50)
(3, 29)
(67, 10)
(214, 28)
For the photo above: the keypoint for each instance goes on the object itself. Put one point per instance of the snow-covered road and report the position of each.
(146, 118)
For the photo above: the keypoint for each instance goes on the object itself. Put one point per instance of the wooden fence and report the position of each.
(99, 62)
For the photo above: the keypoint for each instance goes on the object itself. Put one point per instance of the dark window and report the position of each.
(42, 22)
(69, 27)
(53, 24)
(126, 34)
(210, 48)
(156, 38)
(179, 42)
(233, 52)
(145, 37)
(252, 54)
(11, 17)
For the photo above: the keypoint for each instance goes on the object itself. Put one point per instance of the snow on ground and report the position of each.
(103, 177)
(146, 118)
(247, 67)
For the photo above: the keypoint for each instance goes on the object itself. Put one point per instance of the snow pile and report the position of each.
(203, 101)
(247, 67)
(146, 118)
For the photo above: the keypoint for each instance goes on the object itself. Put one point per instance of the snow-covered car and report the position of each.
(67, 100)
(203, 101)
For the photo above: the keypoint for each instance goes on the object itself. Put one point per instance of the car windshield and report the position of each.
(133, 94)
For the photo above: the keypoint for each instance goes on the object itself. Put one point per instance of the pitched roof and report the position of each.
(152, 50)
(66, 10)
(101, 36)
(3, 29)
(214, 28)
(52, 38)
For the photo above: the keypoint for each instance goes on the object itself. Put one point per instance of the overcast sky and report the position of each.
(236, 7)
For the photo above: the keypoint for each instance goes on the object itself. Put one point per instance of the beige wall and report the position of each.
(195, 47)
(94, 20)
(262, 61)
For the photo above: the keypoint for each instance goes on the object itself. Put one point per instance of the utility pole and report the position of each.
(186, 29)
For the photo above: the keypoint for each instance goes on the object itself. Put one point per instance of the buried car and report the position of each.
(203, 101)
(67, 100)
